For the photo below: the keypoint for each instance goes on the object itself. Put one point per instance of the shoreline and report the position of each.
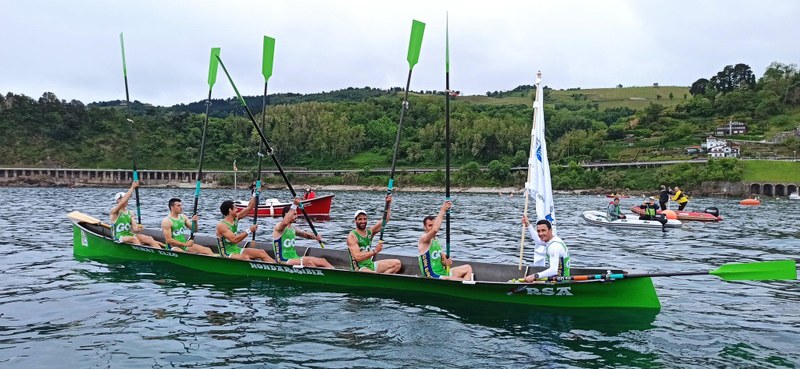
(505, 190)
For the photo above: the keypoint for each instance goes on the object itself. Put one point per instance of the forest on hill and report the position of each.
(356, 127)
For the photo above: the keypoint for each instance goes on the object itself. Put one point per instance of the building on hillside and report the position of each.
(732, 128)
(712, 142)
(724, 152)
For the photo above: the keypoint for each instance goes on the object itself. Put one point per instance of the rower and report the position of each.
(557, 254)
(432, 260)
(125, 227)
(359, 247)
(283, 239)
(228, 235)
(174, 227)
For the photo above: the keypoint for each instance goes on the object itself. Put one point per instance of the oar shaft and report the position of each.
(269, 148)
(200, 167)
(390, 188)
(133, 129)
(260, 156)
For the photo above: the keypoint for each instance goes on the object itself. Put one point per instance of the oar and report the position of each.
(755, 271)
(83, 218)
(414, 46)
(269, 149)
(266, 71)
(212, 78)
(133, 129)
(447, 132)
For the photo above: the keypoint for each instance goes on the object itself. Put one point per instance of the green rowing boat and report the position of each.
(92, 240)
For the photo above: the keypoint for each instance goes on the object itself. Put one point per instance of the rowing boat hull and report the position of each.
(318, 207)
(92, 242)
(696, 216)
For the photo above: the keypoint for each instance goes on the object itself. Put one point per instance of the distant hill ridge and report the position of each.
(635, 98)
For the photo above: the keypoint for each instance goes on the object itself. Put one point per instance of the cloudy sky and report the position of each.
(71, 48)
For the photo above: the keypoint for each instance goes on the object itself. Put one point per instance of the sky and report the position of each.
(71, 48)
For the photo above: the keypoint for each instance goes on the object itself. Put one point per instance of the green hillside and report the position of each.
(771, 171)
(636, 98)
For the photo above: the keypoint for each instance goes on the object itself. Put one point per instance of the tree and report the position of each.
(732, 78)
(699, 87)
(671, 96)
(499, 170)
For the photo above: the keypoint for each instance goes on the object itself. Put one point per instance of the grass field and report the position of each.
(773, 171)
(631, 97)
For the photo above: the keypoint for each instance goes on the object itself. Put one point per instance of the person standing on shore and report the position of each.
(125, 228)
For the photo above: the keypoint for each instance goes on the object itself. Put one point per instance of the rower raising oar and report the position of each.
(414, 45)
(212, 78)
(133, 129)
(266, 71)
(269, 150)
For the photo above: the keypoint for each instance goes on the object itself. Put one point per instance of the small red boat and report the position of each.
(318, 207)
(620, 196)
(709, 215)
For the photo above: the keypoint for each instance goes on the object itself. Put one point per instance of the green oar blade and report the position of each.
(415, 44)
(447, 45)
(269, 57)
(758, 271)
(212, 67)
(124, 66)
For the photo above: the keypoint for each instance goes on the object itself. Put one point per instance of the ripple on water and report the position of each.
(90, 314)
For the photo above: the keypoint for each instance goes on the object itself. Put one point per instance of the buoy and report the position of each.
(750, 202)
(670, 214)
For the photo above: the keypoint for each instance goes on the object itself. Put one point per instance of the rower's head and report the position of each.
(227, 208)
(360, 218)
(427, 222)
(544, 229)
(663, 188)
(118, 196)
(175, 205)
(616, 201)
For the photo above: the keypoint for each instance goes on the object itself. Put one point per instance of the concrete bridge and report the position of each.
(773, 189)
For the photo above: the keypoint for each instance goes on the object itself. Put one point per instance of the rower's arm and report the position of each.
(554, 252)
(278, 230)
(223, 230)
(355, 251)
(246, 211)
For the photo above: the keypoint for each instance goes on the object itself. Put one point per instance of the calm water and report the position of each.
(59, 312)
